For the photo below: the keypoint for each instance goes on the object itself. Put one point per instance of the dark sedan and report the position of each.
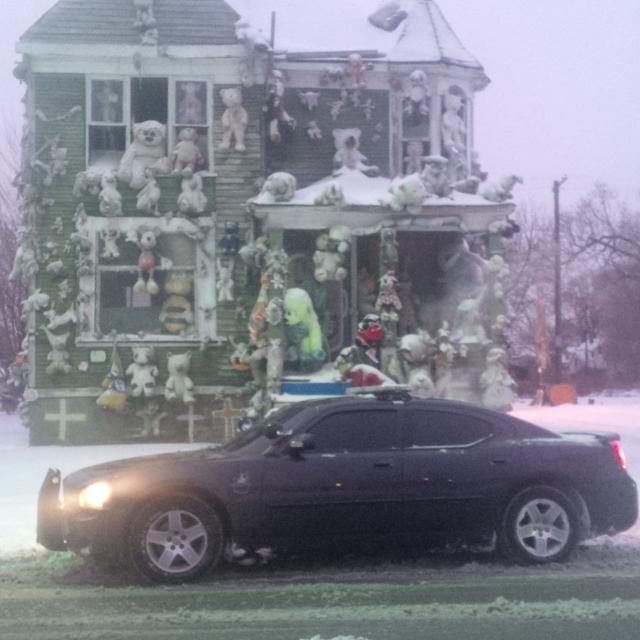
(354, 468)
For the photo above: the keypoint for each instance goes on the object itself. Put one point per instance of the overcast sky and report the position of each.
(564, 96)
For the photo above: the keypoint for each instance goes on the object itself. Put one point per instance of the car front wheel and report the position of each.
(540, 526)
(176, 539)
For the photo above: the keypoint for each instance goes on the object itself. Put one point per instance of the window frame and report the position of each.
(204, 296)
(171, 124)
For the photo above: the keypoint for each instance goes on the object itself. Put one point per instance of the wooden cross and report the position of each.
(190, 418)
(62, 418)
(230, 416)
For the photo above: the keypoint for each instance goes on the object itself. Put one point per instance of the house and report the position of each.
(224, 198)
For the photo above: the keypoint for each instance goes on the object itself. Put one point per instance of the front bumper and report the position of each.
(50, 528)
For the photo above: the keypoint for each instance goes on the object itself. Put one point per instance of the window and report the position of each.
(445, 429)
(166, 295)
(115, 104)
(355, 431)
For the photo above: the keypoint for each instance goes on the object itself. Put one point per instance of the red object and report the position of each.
(372, 335)
(616, 447)
(146, 262)
(562, 394)
(365, 376)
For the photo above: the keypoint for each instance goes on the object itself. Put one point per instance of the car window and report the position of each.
(355, 431)
(445, 429)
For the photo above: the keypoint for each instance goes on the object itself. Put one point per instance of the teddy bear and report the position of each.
(303, 327)
(454, 131)
(146, 264)
(388, 303)
(190, 108)
(329, 256)
(179, 385)
(224, 281)
(58, 357)
(234, 119)
(143, 372)
(109, 199)
(176, 314)
(146, 151)
(276, 115)
(500, 191)
(435, 176)
(416, 107)
(191, 199)
(348, 154)
(231, 243)
(186, 152)
(496, 382)
(408, 192)
(278, 187)
(414, 160)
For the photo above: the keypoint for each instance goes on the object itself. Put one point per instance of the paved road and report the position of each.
(596, 597)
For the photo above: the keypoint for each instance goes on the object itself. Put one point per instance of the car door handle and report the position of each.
(383, 463)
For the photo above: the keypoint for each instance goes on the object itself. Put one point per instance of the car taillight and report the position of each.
(616, 447)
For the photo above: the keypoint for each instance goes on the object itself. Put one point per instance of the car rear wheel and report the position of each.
(540, 526)
(176, 539)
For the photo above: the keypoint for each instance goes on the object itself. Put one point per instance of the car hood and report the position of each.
(118, 467)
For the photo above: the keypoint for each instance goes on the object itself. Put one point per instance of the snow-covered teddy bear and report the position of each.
(500, 191)
(435, 176)
(348, 154)
(179, 385)
(278, 187)
(146, 151)
(109, 199)
(143, 372)
(234, 119)
(408, 192)
(186, 153)
(191, 200)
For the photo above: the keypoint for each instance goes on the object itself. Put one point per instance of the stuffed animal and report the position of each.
(151, 419)
(435, 176)
(146, 264)
(414, 160)
(496, 382)
(176, 314)
(109, 199)
(408, 192)
(149, 196)
(500, 191)
(348, 154)
(453, 127)
(276, 116)
(416, 107)
(258, 317)
(146, 151)
(331, 195)
(186, 152)
(278, 187)
(224, 281)
(114, 396)
(234, 119)
(388, 303)
(143, 372)
(190, 108)
(58, 357)
(109, 237)
(191, 199)
(230, 244)
(328, 259)
(303, 321)
(179, 385)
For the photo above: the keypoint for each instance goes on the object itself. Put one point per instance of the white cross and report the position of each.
(190, 418)
(63, 418)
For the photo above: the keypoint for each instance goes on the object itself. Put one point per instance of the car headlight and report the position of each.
(95, 496)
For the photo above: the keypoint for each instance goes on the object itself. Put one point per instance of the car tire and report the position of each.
(540, 525)
(176, 539)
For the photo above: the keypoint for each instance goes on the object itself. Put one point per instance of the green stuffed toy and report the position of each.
(303, 327)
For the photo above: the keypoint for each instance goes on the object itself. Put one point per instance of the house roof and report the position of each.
(423, 35)
(179, 22)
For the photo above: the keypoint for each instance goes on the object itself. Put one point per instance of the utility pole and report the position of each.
(557, 338)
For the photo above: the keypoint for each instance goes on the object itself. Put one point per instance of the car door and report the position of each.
(349, 483)
(456, 466)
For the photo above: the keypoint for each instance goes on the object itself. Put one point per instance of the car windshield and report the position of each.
(264, 432)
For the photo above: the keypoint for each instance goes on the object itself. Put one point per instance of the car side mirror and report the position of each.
(303, 442)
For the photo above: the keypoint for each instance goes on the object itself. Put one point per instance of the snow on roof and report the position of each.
(343, 25)
(361, 190)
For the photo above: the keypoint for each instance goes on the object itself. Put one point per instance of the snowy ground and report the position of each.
(23, 468)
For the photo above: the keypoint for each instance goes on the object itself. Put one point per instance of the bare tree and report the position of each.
(12, 292)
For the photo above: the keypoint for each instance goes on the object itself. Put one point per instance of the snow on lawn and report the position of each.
(23, 467)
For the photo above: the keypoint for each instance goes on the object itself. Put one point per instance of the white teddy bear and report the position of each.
(146, 151)
(143, 372)
(408, 192)
(179, 385)
(109, 199)
(234, 119)
(278, 187)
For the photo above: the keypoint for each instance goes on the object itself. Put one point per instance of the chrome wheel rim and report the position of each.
(543, 528)
(176, 541)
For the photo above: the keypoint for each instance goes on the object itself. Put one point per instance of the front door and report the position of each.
(348, 484)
